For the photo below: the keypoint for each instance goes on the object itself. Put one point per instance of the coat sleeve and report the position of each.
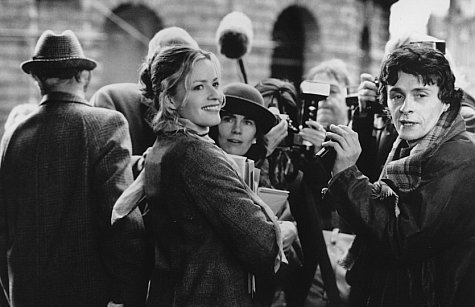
(438, 214)
(4, 281)
(124, 249)
(230, 207)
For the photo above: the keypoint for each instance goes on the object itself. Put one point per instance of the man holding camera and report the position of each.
(415, 226)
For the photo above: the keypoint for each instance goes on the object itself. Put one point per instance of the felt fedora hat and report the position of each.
(245, 100)
(58, 51)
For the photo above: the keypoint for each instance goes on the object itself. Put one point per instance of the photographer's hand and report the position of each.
(367, 91)
(346, 144)
(275, 136)
(313, 133)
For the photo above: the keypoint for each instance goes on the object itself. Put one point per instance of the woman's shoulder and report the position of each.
(182, 145)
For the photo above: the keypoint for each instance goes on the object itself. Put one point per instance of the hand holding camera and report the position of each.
(367, 92)
(277, 134)
(313, 133)
(346, 145)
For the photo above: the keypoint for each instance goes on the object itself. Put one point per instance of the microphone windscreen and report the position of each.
(233, 45)
(234, 35)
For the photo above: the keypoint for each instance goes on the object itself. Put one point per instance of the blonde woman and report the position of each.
(210, 231)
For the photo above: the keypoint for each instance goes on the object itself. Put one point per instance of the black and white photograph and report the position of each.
(271, 153)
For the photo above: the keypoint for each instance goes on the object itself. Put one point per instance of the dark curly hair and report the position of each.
(425, 63)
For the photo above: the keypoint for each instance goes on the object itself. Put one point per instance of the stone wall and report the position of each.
(333, 28)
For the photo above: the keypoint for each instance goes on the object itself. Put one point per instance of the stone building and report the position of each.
(290, 36)
(458, 29)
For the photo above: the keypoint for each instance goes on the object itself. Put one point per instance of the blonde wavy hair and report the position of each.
(166, 69)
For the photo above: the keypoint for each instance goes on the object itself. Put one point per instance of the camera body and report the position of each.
(437, 45)
(311, 92)
(375, 107)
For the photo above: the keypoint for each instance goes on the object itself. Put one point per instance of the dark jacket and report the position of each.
(209, 231)
(128, 100)
(62, 170)
(421, 253)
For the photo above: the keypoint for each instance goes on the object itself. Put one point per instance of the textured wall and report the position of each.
(333, 29)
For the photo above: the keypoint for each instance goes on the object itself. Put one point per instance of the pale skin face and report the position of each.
(204, 97)
(415, 107)
(333, 109)
(236, 134)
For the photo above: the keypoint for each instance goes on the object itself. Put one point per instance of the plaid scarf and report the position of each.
(405, 171)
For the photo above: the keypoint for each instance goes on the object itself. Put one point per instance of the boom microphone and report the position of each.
(234, 35)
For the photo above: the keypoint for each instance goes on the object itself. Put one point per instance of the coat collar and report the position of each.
(62, 97)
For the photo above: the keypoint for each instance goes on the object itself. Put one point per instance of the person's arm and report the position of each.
(250, 233)
(423, 222)
(367, 93)
(362, 122)
(4, 282)
(412, 225)
(124, 246)
(275, 136)
(4, 279)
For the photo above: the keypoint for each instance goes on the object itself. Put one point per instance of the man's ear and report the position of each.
(83, 75)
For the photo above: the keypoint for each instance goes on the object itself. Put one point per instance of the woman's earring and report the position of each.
(254, 141)
(223, 101)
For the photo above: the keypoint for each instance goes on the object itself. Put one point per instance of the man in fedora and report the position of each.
(60, 173)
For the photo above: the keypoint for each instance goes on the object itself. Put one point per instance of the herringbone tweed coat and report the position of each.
(62, 170)
(209, 231)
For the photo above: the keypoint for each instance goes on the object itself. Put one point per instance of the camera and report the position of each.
(375, 107)
(437, 45)
(311, 92)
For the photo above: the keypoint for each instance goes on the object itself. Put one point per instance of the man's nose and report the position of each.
(407, 105)
(324, 102)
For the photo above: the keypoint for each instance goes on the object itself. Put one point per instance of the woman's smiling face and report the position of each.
(202, 101)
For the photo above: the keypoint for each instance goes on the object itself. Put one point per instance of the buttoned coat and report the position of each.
(209, 231)
(61, 172)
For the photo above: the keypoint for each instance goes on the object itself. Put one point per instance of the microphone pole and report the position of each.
(243, 69)
(234, 38)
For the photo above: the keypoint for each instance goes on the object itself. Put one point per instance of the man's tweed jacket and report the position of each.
(61, 172)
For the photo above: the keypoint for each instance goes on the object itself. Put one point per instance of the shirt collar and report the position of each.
(62, 96)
